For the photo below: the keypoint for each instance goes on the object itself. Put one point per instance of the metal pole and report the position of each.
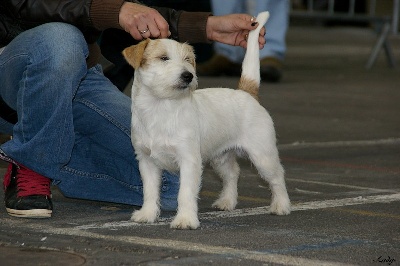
(352, 7)
(372, 7)
(395, 18)
(310, 5)
(379, 45)
(331, 7)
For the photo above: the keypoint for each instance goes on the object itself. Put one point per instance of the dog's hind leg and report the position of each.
(267, 162)
(151, 177)
(228, 169)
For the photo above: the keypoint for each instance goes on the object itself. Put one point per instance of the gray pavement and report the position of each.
(338, 128)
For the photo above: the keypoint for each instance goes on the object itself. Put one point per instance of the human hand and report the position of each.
(142, 22)
(233, 29)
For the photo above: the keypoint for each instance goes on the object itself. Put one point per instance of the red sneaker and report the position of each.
(27, 193)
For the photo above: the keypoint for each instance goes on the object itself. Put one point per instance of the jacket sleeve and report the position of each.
(30, 13)
(100, 15)
(186, 26)
(192, 27)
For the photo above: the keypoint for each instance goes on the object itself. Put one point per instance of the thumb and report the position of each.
(247, 23)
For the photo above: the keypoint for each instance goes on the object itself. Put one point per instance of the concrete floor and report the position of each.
(338, 128)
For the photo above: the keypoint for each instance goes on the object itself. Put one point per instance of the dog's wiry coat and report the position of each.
(176, 127)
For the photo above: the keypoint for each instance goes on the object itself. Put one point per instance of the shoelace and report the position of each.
(31, 183)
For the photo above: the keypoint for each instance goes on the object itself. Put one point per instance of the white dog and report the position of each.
(176, 127)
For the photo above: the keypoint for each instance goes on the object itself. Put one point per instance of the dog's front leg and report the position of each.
(151, 178)
(190, 181)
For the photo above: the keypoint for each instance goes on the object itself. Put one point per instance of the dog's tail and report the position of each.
(250, 78)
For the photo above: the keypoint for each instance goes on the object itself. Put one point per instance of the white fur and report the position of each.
(177, 128)
(251, 67)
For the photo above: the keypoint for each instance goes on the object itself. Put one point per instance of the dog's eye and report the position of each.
(188, 59)
(164, 58)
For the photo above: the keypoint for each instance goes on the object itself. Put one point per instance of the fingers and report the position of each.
(157, 28)
(146, 33)
(253, 22)
(262, 31)
(233, 29)
(152, 27)
(261, 41)
(243, 43)
(248, 22)
(242, 39)
(142, 22)
(261, 38)
(163, 27)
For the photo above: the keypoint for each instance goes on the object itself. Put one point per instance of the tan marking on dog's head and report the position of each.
(249, 86)
(190, 54)
(165, 67)
(134, 54)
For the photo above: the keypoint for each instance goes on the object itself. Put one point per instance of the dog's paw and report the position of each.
(185, 222)
(145, 216)
(224, 204)
(280, 207)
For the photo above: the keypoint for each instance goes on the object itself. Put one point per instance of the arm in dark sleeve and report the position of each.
(186, 26)
(192, 27)
(31, 13)
(102, 14)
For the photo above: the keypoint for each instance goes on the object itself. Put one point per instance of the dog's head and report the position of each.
(164, 66)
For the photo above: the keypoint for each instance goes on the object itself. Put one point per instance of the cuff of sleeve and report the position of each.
(192, 27)
(105, 13)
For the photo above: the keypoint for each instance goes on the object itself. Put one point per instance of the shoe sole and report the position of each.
(36, 213)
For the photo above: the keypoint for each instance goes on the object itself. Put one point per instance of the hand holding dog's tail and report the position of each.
(250, 78)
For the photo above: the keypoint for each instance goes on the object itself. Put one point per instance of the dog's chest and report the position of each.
(162, 137)
(161, 150)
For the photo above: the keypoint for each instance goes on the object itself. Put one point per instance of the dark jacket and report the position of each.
(91, 17)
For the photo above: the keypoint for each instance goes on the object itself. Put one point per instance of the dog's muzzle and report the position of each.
(186, 78)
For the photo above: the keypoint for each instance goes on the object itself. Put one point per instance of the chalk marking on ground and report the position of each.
(212, 194)
(307, 191)
(369, 213)
(342, 185)
(334, 144)
(312, 205)
(223, 251)
(265, 257)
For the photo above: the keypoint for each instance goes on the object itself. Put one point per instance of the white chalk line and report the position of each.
(193, 247)
(384, 190)
(265, 257)
(335, 144)
(264, 210)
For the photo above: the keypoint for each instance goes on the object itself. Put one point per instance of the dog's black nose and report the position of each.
(187, 77)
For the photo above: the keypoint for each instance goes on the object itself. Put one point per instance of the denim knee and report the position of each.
(61, 46)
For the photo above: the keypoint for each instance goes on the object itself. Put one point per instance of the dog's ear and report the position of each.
(134, 54)
(192, 55)
(193, 61)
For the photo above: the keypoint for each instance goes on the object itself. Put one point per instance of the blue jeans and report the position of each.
(73, 123)
(276, 26)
